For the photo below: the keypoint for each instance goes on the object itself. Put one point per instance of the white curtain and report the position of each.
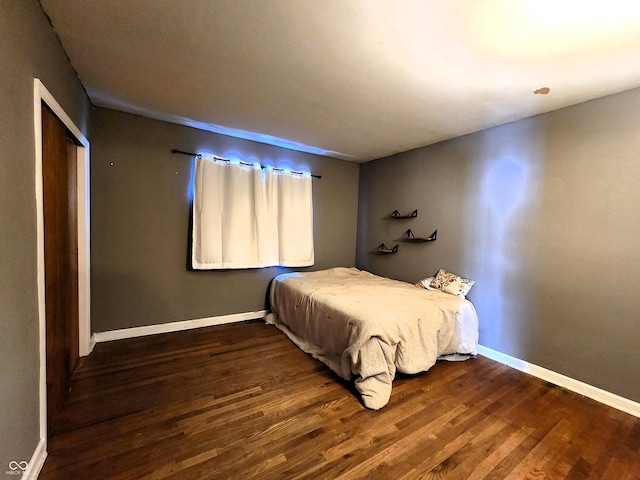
(249, 217)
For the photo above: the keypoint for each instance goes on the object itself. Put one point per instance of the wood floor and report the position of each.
(240, 401)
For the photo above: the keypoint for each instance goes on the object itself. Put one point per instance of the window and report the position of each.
(246, 216)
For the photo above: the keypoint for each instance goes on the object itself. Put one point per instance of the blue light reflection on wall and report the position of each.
(263, 138)
(192, 180)
(220, 129)
(506, 190)
(503, 189)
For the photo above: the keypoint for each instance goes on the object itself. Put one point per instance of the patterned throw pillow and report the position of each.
(452, 283)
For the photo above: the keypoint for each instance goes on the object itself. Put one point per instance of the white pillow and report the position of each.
(452, 283)
(426, 283)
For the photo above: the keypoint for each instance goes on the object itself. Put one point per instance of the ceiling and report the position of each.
(351, 79)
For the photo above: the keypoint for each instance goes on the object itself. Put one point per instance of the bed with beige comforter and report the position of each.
(366, 327)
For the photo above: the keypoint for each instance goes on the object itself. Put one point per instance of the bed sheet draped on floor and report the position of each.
(366, 327)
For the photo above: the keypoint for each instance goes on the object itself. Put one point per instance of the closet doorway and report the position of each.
(59, 186)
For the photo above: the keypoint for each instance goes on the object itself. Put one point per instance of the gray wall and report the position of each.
(543, 215)
(140, 210)
(28, 49)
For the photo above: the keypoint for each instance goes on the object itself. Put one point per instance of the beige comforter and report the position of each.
(365, 327)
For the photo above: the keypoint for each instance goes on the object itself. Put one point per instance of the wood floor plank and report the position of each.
(240, 401)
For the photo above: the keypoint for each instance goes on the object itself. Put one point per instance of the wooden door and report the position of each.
(59, 175)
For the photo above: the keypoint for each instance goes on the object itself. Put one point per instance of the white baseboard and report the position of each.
(174, 326)
(595, 393)
(37, 461)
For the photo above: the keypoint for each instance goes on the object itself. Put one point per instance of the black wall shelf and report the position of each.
(397, 215)
(409, 236)
(384, 250)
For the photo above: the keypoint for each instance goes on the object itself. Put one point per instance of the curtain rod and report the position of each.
(199, 155)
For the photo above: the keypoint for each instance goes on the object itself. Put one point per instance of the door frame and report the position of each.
(41, 94)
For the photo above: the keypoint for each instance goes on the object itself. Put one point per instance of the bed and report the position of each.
(366, 328)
